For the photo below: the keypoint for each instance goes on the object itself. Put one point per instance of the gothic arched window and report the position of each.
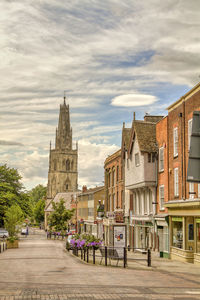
(67, 164)
(67, 187)
(54, 164)
(72, 164)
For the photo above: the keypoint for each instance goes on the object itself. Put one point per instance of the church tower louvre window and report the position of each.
(63, 173)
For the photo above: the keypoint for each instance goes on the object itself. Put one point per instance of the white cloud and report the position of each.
(132, 100)
(96, 51)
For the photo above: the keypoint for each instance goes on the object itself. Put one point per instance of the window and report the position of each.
(151, 157)
(175, 141)
(67, 164)
(161, 159)
(191, 190)
(113, 173)
(117, 173)
(114, 204)
(176, 192)
(161, 197)
(137, 159)
(177, 228)
(117, 200)
(66, 187)
(198, 190)
(189, 132)
(110, 202)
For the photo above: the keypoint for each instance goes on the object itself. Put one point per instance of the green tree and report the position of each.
(39, 211)
(13, 217)
(37, 193)
(60, 216)
(12, 192)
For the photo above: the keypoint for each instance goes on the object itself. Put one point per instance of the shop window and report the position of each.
(175, 141)
(198, 235)
(161, 159)
(198, 190)
(177, 226)
(190, 232)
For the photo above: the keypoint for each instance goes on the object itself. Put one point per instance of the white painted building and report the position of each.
(140, 182)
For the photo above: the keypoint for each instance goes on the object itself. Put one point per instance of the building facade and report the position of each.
(87, 206)
(114, 195)
(184, 197)
(141, 182)
(161, 217)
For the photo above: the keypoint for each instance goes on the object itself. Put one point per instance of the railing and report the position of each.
(107, 254)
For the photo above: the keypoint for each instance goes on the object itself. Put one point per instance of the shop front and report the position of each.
(162, 233)
(184, 226)
(142, 234)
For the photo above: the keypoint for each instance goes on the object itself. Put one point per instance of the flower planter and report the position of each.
(11, 245)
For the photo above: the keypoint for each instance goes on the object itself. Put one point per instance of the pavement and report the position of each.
(42, 269)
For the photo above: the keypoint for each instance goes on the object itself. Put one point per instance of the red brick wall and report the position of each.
(186, 107)
(162, 141)
(118, 187)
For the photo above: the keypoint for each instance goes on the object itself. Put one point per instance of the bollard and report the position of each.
(0, 248)
(81, 253)
(87, 254)
(149, 258)
(125, 257)
(93, 255)
(106, 256)
(3, 246)
(84, 253)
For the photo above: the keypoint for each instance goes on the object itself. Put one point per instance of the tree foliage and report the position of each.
(37, 193)
(13, 217)
(12, 192)
(39, 211)
(60, 216)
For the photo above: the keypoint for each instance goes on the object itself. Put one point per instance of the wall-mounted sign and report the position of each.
(119, 238)
(119, 217)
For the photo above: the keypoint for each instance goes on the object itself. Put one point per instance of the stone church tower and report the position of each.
(63, 174)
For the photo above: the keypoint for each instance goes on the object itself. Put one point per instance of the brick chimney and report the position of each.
(84, 188)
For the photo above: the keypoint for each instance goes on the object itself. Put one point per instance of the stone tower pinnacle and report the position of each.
(64, 131)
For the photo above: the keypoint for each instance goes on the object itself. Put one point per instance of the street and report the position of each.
(42, 269)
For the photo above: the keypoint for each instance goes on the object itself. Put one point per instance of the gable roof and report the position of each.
(126, 132)
(67, 197)
(145, 133)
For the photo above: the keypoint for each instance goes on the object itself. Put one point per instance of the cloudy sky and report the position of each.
(112, 57)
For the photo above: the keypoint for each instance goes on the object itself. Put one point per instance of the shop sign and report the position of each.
(177, 219)
(119, 238)
(119, 217)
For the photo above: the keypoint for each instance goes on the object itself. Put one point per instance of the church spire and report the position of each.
(64, 133)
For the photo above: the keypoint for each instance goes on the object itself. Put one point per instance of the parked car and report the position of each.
(3, 233)
(23, 231)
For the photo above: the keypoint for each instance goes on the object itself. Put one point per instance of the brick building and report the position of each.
(184, 198)
(161, 217)
(114, 204)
